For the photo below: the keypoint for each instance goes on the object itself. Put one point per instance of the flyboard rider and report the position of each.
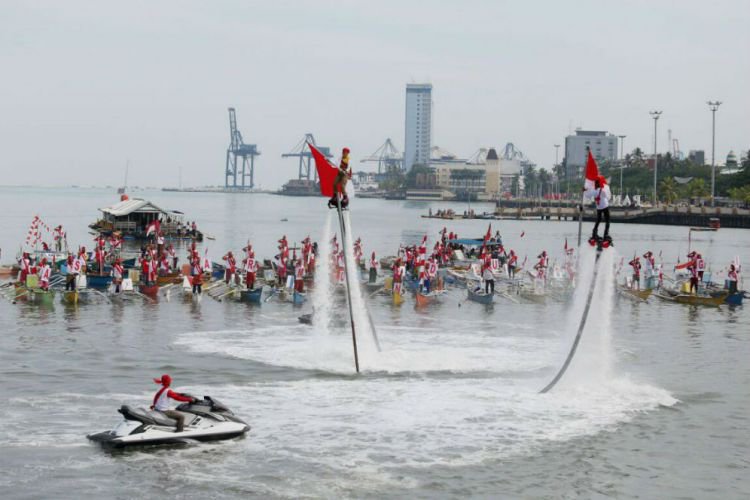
(601, 195)
(339, 183)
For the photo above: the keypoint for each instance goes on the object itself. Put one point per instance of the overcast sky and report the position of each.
(88, 85)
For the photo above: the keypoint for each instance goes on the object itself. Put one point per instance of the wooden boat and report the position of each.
(480, 296)
(70, 297)
(169, 279)
(423, 299)
(638, 294)
(6, 271)
(99, 281)
(40, 296)
(693, 300)
(253, 296)
(151, 290)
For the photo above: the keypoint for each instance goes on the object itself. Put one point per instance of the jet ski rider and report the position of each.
(161, 401)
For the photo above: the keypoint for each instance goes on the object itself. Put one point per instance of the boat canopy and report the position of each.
(475, 242)
(136, 205)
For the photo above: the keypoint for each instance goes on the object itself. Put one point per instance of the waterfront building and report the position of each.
(603, 146)
(697, 156)
(418, 127)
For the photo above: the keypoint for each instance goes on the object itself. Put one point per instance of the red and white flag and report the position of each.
(326, 171)
(592, 172)
(153, 227)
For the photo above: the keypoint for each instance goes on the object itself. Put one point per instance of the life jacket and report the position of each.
(701, 264)
(45, 273)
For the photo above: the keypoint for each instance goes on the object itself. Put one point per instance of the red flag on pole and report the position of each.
(592, 172)
(489, 233)
(326, 171)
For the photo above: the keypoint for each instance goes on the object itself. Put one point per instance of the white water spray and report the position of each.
(323, 290)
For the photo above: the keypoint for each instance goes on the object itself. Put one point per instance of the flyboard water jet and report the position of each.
(327, 174)
(592, 175)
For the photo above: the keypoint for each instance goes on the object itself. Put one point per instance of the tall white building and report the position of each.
(602, 144)
(418, 135)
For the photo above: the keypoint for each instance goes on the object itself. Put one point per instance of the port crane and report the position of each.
(239, 155)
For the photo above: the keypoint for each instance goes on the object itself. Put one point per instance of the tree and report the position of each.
(697, 188)
(668, 190)
(417, 171)
(741, 194)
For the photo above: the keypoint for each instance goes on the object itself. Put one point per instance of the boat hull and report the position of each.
(481, 298)
(252, 296)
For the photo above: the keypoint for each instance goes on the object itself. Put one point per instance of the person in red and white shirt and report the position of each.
(373, 268)
(162, 397)
(299, 276)
(231, 266)
(44, 274)
(251, 268)
(117, 273)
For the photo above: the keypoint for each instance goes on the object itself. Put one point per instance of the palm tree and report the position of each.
(668, 188)
(697, 188)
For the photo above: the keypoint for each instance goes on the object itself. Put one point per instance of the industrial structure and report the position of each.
(388, 158)
(418, 129)
(302, 152)
(303, 185)
(239, 156)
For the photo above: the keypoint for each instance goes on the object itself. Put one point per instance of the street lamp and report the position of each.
(622, 158)
(713, 106)
(655, 115)
(557, 162)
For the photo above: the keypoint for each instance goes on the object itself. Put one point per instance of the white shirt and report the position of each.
(604, 195)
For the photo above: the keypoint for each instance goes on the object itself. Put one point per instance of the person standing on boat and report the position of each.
(299, 276)
(693, 270)
(636, 278)
(339, 183)
(373, 268)
(732, 278)
(162, 397)
(117, 273)
(25, 265)
(398, 275)
(172, 255)
(159, 242)
(231, 266)
(488, 278)
(99, 257)
(196, 273)
(601, 195)
(700, 266)
(251, 267)
(44, 274)
(512, 261)
(115, 244)
(58, 236)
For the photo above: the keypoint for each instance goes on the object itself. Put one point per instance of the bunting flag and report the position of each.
(153, 227)
(326, 171)
(592, 172)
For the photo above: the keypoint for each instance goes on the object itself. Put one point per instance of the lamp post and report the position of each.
(655, 115)
(622, 158)
(713, 106)
(557, 162)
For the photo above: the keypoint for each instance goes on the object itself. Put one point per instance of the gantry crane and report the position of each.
(239, 150)
(302, 152)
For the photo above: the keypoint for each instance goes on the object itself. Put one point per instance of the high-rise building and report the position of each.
(603, 147)
(418, 130)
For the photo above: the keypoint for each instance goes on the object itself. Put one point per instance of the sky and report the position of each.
(89, 86)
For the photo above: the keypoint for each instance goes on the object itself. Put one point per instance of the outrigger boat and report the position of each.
(694, 300)
(480, 296)
(638, 294)
(252, 296)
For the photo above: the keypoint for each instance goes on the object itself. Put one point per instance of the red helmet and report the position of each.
(165, 380)
(346, 151)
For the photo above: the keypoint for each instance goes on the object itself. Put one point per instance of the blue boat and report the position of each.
(481, 297)
(735, 298)
(100, 281)
(252, 296)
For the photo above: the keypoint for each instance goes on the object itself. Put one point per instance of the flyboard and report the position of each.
(600, 244)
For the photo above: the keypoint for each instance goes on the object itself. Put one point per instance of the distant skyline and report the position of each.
(88, 86)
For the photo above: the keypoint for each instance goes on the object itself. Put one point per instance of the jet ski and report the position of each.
(205, 420)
